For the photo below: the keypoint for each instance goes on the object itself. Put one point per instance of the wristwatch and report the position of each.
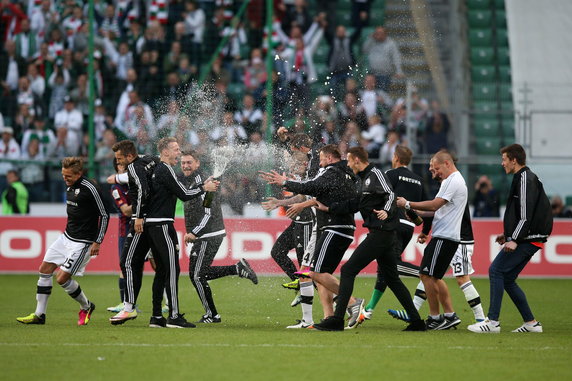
(407, 205)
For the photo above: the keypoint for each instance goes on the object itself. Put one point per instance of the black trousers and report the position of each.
(296, 236)
(404, 234)
(165, 247)
(132, 260)
(201, 271)
(378, 245)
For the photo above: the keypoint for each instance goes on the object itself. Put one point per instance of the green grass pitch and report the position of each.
(252, 343)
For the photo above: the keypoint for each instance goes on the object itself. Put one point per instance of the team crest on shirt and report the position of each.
(367, 182)
(76, 191)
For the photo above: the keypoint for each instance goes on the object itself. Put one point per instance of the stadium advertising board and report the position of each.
(23, 241)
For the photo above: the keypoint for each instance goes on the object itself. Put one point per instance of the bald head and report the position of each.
(443, 164)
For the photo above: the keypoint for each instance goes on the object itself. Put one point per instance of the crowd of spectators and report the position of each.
(149, 55)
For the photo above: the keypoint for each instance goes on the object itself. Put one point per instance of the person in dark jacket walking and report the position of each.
(527, 224)
(377, 205)
(86, 226)
(205, 230)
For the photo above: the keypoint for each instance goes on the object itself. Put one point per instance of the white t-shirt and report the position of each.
(447, 219)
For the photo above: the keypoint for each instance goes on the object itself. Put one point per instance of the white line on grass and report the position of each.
(274, 345)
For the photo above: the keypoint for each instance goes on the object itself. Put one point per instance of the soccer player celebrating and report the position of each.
(448, 206)
(71, 252)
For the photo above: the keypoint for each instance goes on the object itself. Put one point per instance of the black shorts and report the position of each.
(330, 249)
(437, 257)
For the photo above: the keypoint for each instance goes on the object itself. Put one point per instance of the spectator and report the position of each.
(350, 138)
(559, 210)
(26, 42)
(25, 95)
(194, 18)
(436, 130)
(139, 124)
(323, 109)
(72, 24)
(297, 15)
(12, 68)
(398, 118)
(125, 88)
(341, 57)
(45, 136)
(328, 134)
(104, 155)
(171, 60)
(374, 101)
(37, 80)
(42, 17)
(69, 123)
(80, 94)
(486, 200)
(11, 17)
(374, 136)
(229, 133)
(388, 149)
(249, 116)
(352, 111)
(33, 174)
(121, 60)
(9, 149)
(101, 120)
(23, 121)
(383, 58)
(15, 197)
(58, 83)
(360, 12)
(110, 23)
(300, 69)
(56, 43)
(255, 71)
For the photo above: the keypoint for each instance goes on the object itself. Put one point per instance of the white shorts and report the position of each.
(461, 262)
(71, 256)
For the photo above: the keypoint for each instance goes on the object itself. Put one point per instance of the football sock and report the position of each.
(375, 297)
(449, 314)
(122, 284)
(420, 296)
(128, 307)
(43, 292)
(473, 298)
(74, 290)
(307, 294)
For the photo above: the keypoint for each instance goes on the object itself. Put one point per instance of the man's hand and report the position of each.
(189, 238)
(94, 251)
(211, 185)
(401, 202)
(138, 226)
(381, 214)
(273, 177)
(422, 238)
(271, 203)
(510, 246)
(501, 239)
(322, 207)
(294, 210)
(111, 179)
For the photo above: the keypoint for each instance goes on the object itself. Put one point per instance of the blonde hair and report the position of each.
(73, 163)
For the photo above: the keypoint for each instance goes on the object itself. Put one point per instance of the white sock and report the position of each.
(420, 297)
(128, 307)
(307, 293)
(74, 290)
(43, 293)
(165, 298)
(474, 299)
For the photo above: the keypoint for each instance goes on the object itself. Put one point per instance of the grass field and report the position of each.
(252, 344)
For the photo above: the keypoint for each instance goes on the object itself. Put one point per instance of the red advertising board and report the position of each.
(23, 241)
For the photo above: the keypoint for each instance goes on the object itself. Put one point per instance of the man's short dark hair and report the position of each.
(360, 153)
(331, 149)
(191, 152)
(404, 154)
(126, 147)
(515, 151)
(300, 140)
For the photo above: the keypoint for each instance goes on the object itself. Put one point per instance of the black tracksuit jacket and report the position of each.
(528, 215)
